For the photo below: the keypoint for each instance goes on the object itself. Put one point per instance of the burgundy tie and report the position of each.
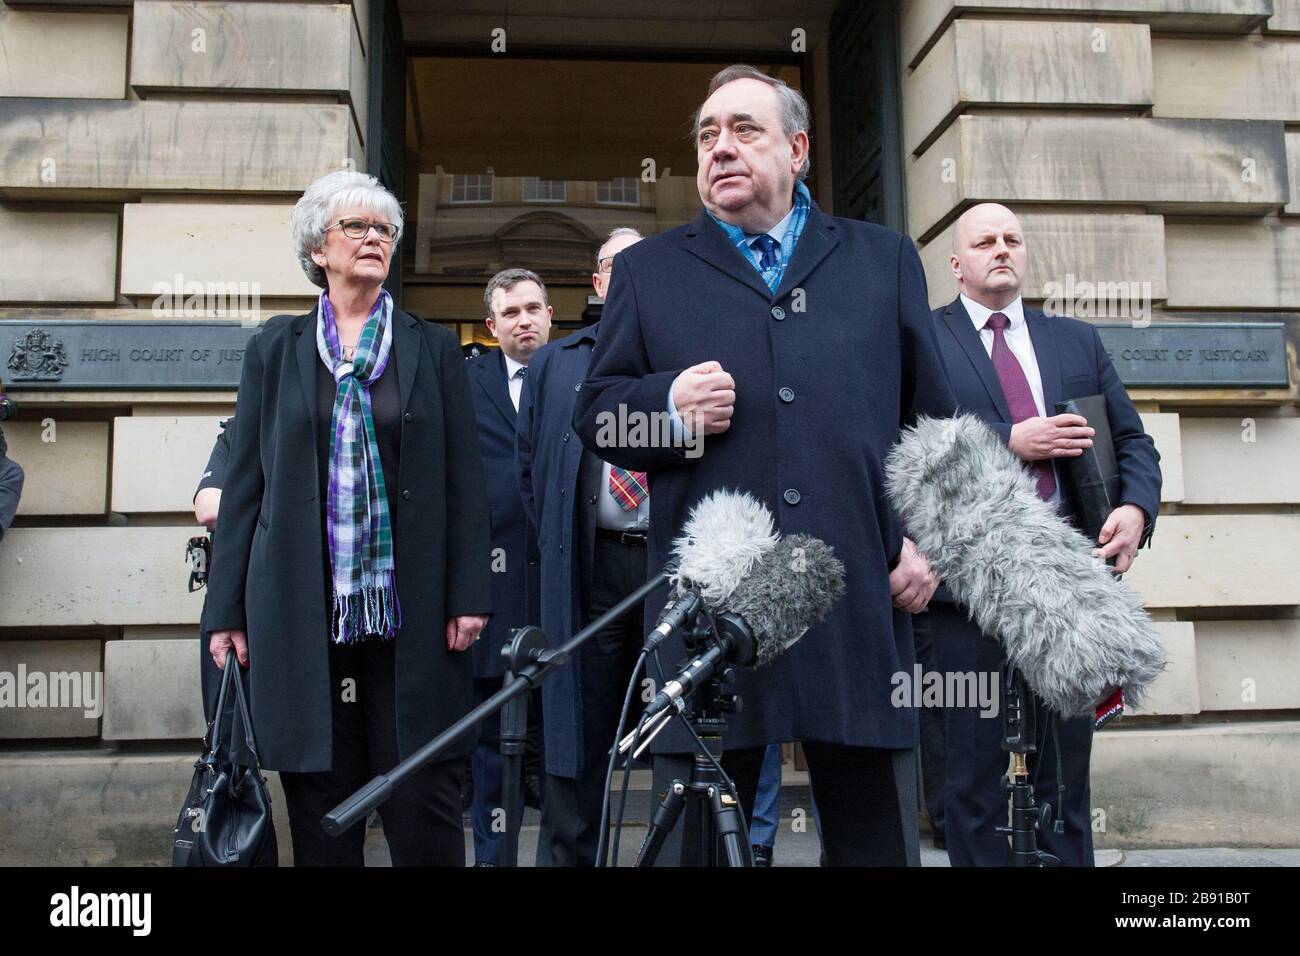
(1019, 397)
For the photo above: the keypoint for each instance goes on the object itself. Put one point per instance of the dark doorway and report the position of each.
(866, 154)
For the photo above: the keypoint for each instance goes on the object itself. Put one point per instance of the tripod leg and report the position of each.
(661, 824)
(730, 824)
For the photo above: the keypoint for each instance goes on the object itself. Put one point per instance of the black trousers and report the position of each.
(866, 801)
(975, 763)
(422, 819)
(933, 746)
(570, 829)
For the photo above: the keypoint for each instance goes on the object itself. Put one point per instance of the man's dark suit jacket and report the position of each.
(513, 557)
(1073, 364)
(827, 370)
(269, 568)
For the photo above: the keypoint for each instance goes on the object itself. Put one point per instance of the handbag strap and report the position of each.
(246, 720)
(214, 737)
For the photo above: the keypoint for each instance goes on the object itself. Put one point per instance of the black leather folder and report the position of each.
(1093, 477)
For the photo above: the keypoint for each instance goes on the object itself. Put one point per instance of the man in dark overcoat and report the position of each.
(592, 520)
(792, 346)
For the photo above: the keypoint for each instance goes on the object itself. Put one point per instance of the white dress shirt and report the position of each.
(514, 381)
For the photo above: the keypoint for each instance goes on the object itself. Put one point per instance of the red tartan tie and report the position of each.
(627, 487)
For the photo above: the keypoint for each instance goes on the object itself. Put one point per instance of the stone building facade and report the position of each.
(1151, 147)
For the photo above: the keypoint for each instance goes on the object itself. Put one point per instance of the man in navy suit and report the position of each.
(1010, 365)
(789, 347)
(519, 318)
(591, 519)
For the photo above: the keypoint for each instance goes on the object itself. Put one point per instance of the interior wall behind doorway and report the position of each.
(532, 161)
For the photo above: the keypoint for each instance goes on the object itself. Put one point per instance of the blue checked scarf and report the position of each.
(360, 533)
(793, 230)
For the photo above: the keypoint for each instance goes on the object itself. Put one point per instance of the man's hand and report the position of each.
(221, 643)
(206, 505)
(705, 397)
(912, 582)
(1120, 536)
(464, 630)
(1061, 436)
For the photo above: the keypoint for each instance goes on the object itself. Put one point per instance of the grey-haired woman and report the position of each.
(350, 575)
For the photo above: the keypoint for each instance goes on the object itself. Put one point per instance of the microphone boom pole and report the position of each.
(531, 662)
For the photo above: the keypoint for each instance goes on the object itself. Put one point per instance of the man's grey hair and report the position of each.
(320, 205)
(618, 233)
(506, 280)
(795, 115)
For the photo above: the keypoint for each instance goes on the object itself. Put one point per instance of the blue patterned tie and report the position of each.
(767, 245)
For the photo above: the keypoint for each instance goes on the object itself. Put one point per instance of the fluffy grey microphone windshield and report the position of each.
(780, 586)
(788, 591)
(724, 535)
(1027, 577)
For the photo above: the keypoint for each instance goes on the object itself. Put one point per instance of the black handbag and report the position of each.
(226, 817)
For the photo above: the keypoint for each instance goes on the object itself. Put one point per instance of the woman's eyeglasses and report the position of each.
(359, 228)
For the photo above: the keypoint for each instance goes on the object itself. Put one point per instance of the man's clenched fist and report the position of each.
(705, 397)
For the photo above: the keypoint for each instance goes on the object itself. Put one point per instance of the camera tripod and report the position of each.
(716, 834)
(1019, 738)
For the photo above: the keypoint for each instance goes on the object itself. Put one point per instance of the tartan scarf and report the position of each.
(360, 533)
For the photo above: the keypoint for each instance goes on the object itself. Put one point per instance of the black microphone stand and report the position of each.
(1019, 738)
(720, 836)
(530, 661)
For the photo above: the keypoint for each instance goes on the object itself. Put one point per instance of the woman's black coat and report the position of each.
(269, 567)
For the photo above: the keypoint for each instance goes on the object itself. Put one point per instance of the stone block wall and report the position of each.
(142, 145)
